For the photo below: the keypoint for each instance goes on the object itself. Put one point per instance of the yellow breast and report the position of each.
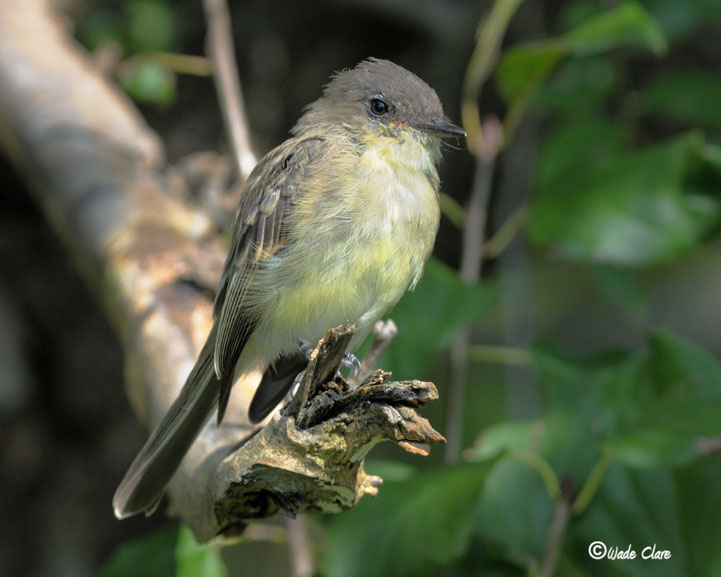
(359, 247)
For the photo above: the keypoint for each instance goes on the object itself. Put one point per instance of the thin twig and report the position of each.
(299, 546)
(219, 45)
(485, 145)
(452, 210)
(178, 63)
(476, 213)
(593, 482)
(513, 266)
(500, 354)
(489, 35)
(543, 468)
(471, 261)
(383, 333)
(506, 233)
(557, 531)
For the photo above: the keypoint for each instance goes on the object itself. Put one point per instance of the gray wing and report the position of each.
(260, 231)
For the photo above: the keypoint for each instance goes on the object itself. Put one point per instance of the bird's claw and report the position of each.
(349, 360)
(352, 362)
(305, 348)
(296, 383)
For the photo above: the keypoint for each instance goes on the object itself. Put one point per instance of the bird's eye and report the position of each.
(378, 106)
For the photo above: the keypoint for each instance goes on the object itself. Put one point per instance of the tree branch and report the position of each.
(486, 150)
(322, 435)
(219, 45)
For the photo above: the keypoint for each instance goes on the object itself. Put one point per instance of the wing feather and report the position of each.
(260, 231)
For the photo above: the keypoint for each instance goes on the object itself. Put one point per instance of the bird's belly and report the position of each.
(359, 287)
(355, 265)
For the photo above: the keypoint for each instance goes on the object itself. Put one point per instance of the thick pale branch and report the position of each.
(99, 174)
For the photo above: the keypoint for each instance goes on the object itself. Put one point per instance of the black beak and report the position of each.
(442, 127)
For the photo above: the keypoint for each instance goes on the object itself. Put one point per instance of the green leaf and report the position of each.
(149, 81)
(522, 69)
(409, 529)
(151, 556)
(687, 96)
(635, 508)
(556, 438)
(635, 209)
(538, 453)
(576, 382)
(573, 14)
(150, 25)
(503, 437)
(661, 409)
(624, 289)
(579, 88)
(659, 440)
(698, 502)
(514, 513)
(625, 392)
(651, 410)
(678, 427)
(627, 25)
(194, 560)
(680, 20)
(679, 363)
(390, 471)
(429, 317)
(99, 28)
(588, 142)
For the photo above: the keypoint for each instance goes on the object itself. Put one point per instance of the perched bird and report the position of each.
(333, 225)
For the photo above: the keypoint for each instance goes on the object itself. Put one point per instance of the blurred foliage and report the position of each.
(138, 27)
(151, 556)
(686, 97)
(135, 26)
(599, 198)
(429, 317)
(171, 552)
(523, 69)
(630, 207)
(627, 180)
(412, 527)
(150, 81)
(192, 559)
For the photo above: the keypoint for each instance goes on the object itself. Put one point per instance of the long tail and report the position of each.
(144, 484)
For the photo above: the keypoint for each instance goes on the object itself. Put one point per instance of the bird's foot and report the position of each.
(296, 383)
(351, 362)
(306, 349)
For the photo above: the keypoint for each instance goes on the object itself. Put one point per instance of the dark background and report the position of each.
(67, 430)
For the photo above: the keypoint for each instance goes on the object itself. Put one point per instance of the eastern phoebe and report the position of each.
(333, 225)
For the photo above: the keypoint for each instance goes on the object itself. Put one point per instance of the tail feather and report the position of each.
(144, 484)
(276, 382)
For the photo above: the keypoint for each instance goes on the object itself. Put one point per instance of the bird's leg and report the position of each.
(296, 383)
(351, 362)
(306, 349)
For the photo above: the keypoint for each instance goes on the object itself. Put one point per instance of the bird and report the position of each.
(334, 225)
